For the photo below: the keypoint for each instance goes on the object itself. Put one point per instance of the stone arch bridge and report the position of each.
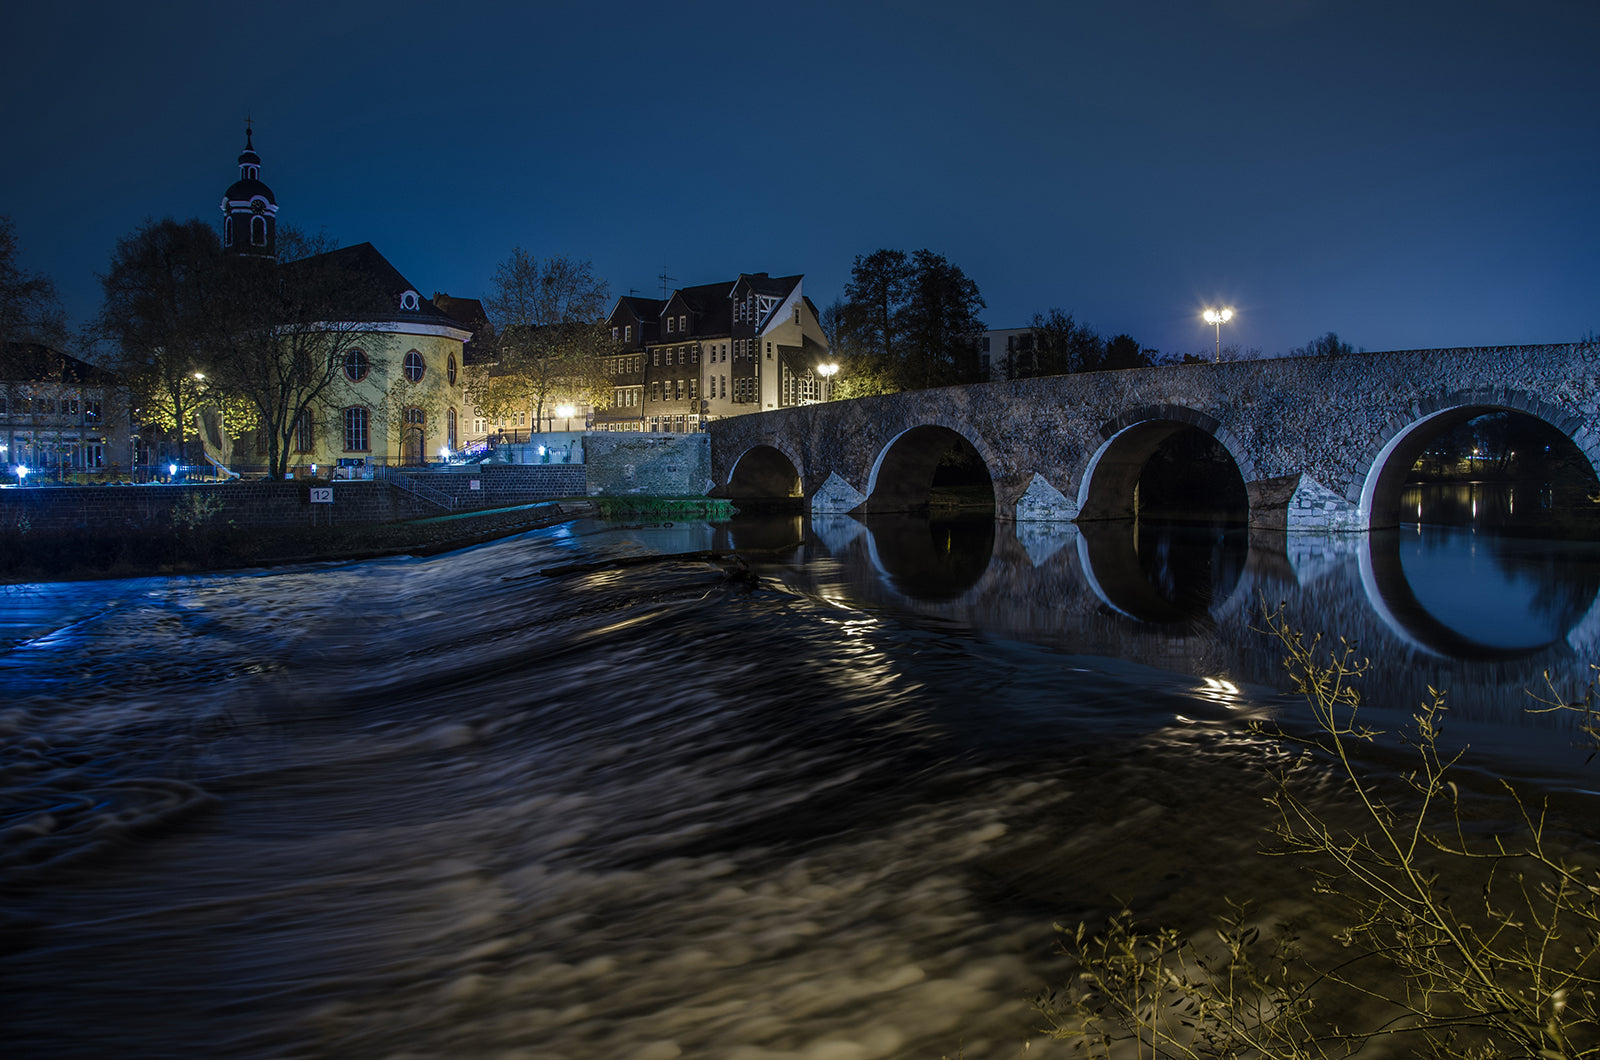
(1322, 443)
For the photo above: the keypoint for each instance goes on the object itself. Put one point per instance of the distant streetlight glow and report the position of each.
(566, 412)
(1218, 317)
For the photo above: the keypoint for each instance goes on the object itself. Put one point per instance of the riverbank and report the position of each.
(76, 555)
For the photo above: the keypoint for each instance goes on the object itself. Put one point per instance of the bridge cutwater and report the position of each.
(1322, 443)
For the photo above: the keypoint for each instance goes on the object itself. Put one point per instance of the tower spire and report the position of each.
(249, 210)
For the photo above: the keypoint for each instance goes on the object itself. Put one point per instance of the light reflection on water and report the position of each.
(463, 807)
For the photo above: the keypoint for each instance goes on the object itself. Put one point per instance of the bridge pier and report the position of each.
(1301, 503)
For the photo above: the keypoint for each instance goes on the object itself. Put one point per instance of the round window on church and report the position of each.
(356, 366)
(415, 366)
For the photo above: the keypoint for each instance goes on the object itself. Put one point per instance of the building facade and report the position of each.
(708, 352)
(61, 418)
(397, 397)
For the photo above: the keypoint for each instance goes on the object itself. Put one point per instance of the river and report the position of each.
(516, 802)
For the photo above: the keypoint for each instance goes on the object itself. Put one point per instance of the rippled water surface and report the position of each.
(510, 802)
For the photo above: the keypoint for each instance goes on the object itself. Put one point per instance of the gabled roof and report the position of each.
(32, 362)
(713, 313)
(468, 312)
(640, 308)
(375, 296)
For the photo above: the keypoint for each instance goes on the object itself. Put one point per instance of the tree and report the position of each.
(1060, 345)
(941, 322)
(908, 322)
(30, 310)
(288, 331)
(32, 327)
(548, 316)
(165, 306)
(263, 343)
(1326, 346)
(879, 287)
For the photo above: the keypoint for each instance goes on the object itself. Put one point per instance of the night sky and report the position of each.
(1411, 174)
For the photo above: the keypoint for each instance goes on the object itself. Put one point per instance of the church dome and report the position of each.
(247, 189)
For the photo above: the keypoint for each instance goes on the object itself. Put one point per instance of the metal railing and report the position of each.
(418, 489)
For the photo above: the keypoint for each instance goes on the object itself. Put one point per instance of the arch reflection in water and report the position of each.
(931, 559)
(1454, 592)
(1173, 573)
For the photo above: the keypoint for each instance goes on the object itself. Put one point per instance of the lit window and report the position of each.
(356, 366)
(683, 323)
(627, 332)
(669, 325)
(416, 367)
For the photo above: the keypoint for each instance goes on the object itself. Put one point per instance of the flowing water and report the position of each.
(514, 802)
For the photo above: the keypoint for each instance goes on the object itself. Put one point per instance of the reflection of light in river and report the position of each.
(1221, 692)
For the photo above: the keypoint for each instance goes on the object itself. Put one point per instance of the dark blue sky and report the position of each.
(1407, 174)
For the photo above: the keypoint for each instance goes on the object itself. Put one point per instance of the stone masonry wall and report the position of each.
(270, 505)
(622, 464)
(1319, 424)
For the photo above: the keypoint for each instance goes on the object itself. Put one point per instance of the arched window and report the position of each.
(258, 231)
(450, 429)
(450, 369)
(304, 441)
(355, 430)
(416, 367)
(227, 231)
(356, 366)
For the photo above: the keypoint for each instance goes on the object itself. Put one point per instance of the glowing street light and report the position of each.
(566, 412)
(1218, 317)
(827, 371)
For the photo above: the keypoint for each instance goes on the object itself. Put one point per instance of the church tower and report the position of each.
(249, 212)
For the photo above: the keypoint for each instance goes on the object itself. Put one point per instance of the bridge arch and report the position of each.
(1403, 440)
(1106, 490)
(767, 472)
(903, 470)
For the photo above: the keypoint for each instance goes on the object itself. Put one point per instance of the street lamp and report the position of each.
(566, 412)
(827, 372)
(1218, 317)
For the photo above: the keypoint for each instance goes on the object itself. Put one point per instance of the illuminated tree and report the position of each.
(548, 317)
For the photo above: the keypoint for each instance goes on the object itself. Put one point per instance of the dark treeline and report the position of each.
(911, 321)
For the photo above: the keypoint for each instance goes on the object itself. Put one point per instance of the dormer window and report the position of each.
(683, 323)
(669, 325)
(410, 300)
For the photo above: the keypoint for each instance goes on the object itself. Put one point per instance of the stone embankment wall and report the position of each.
(650, 465)
(275, 505)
